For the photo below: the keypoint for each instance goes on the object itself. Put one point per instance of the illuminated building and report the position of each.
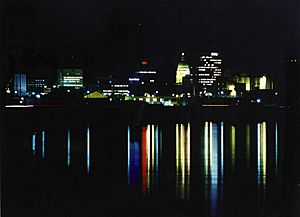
(111, 87)
(144, 79)
(182, 69)
(117, 90)
(38, 85)
(244, 79)
(207, 69)
(20, 84)
(262, 83)
(70, 78)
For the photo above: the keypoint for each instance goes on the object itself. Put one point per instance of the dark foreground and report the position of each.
(243, 179)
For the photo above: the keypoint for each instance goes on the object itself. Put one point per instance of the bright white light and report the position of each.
(222, 92)
(21, 101)
(68, 91)
(16, 91)
(22, 98)
(38, 96)
(276, 93)
(54, 86)
(88, 91)
(258, 100)
(156, 91)
(33, 93)
(134, 79)
(7, 91)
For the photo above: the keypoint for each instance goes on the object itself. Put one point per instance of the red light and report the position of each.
(144, 62)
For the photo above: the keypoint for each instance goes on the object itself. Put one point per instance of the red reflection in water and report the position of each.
(144, 160)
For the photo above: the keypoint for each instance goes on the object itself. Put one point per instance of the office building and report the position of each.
(144, 79)
(70, 78)
(206, 68)
(20, 87)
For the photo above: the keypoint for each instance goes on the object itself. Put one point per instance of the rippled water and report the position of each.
(199, 168)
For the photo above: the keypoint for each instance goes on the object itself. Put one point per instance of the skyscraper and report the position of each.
(20, 84)
(182, 70)
(207, 69)
(70, 78)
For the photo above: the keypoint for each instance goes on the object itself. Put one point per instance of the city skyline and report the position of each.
(106, 36)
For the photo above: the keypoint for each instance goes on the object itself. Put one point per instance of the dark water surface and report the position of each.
(56, 165)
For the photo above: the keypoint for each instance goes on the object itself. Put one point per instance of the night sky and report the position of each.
(112, 36)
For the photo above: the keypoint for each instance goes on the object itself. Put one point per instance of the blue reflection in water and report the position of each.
(69, 148)
(214, 170)
(33, 143)
(156, 152)
(88, 150)
(222, 149)
(143, 159)
(134, 170)
(214, 164)
(43, 144)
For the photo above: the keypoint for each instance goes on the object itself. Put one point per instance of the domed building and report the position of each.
(182, 69)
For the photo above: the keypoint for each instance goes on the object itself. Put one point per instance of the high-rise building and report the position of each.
(182, 70)
(144, 79)
(70, 78)
(207, 69)
(20, 84)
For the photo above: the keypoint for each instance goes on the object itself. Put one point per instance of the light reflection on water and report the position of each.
(43, 144)
(261, 155)
(33, 143)
(149, 158)
(69, 147)
(183, 161)
(214, 164)
(88, 150)
(221, 148)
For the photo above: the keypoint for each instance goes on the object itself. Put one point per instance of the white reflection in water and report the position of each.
(183, 161)
(88, 150)
(261, 154)
(43, 144)
(69, 147)
(33, 143)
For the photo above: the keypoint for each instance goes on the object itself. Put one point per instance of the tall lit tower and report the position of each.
(182, 69)
(208, 69)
